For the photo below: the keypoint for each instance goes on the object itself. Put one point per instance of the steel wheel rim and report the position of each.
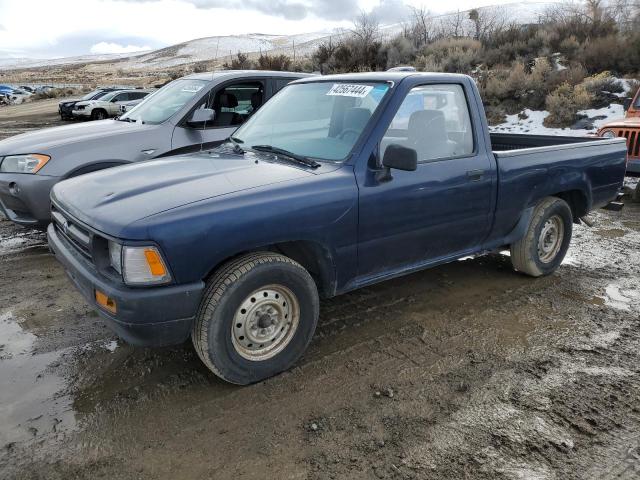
(265, 322)
(550, 239)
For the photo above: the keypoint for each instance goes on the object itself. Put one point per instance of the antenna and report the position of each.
(205, 106)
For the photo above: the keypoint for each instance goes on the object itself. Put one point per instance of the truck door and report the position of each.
(443, 208)
(233, 103)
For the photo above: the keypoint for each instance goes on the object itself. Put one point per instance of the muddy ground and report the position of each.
(468, 370)
(16, 119)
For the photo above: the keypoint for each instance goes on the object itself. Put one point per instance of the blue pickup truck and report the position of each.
(336, 183)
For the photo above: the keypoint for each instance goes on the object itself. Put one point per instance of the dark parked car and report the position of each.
(177, 118)
(336, 183)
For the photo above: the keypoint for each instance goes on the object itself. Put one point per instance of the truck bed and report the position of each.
(589, 170)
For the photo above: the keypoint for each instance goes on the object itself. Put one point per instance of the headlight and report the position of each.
(29, 163)
(139, 265)
(115, 256)
(608, 134)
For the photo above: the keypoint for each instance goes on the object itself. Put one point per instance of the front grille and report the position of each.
(633, 141)
(71, 230)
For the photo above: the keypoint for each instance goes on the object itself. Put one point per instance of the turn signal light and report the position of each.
(109, 304)
(155, 263)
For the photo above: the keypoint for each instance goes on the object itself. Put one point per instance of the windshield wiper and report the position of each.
(309, 162)
(236, 144)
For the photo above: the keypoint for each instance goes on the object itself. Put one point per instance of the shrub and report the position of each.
(602, 87)
(495, 115)
(634, 85)
(569, 46)
(240, 62)
(454, 55)
(53, 93)
(573, 75)
(563, 105)
(400, 51)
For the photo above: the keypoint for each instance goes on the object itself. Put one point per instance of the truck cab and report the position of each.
(628, 128)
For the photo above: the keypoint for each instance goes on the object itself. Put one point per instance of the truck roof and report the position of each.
(218, 74)
(388, 77)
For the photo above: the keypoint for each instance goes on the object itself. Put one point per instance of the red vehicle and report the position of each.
(628, 127)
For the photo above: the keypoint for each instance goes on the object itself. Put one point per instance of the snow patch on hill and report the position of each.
(531, 122)
(299, 45)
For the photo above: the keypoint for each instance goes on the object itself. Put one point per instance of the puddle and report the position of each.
(621, 298)
(32, 402)
(611, 232)
(18, 242)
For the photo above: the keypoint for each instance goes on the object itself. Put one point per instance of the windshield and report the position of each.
(322, 120)
(108, 96)
(159, 106)
(92, 94)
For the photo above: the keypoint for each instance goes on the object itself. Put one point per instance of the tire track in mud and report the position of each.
(468, 370)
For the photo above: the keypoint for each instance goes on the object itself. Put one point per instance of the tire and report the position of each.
(240, 301)
(537, 256)
(98, 114)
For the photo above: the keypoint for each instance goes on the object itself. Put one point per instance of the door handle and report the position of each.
(475, 175)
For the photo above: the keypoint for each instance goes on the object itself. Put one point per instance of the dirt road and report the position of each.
(468, 370)
(15, 119)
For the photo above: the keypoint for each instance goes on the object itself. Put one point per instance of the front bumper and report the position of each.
(145, 316)
(81, 113)
(24, 198)
(633, 167)
(66, 112)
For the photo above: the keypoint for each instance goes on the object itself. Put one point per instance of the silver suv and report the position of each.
(192, 113)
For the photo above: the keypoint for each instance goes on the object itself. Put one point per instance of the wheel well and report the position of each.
(315, 258)
(577, 201)
(94, 167)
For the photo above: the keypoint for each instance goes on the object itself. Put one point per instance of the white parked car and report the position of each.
(127, 106)
(107, 105)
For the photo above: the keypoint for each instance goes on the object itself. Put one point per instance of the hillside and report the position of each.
(218, 48)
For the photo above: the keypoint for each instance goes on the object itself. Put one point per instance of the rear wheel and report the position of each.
(256, 318)
(543, 247)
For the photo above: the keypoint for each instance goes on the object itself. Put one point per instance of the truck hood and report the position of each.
(43, 141)
(629, 122)
(109, 200)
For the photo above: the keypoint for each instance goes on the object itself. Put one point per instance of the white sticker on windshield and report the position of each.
(350, 90)
(192, 88)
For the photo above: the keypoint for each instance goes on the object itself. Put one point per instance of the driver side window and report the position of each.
(234, 103)
(433, 120)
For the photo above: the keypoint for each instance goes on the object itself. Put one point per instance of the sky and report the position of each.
(60, 28)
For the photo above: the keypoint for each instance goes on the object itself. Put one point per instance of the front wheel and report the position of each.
(98, 114)
(544, 245)
(257, 316)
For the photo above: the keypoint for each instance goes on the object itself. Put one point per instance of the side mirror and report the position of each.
(626, 104)
(398, 157)
(199, 118)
